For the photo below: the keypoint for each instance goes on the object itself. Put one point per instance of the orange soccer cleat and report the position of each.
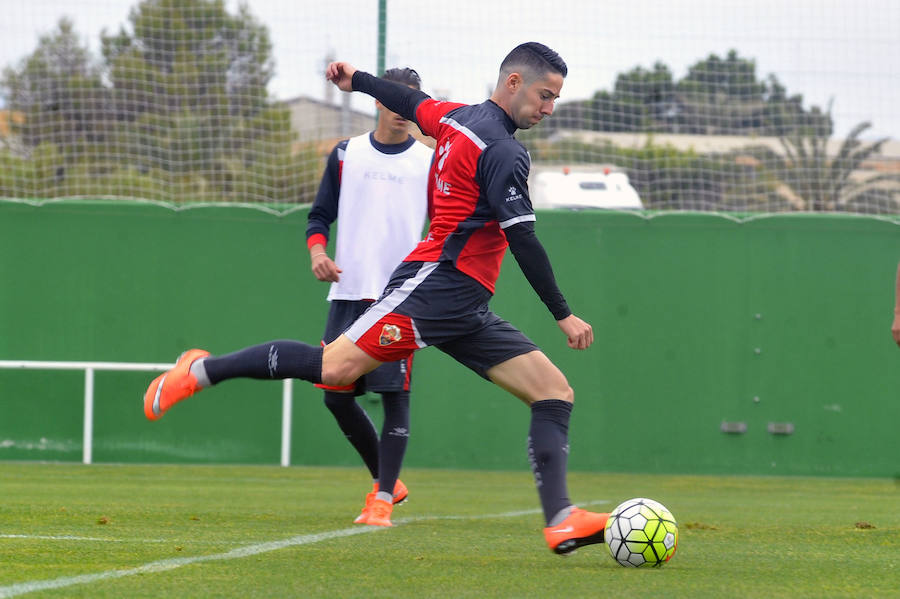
(400, 492)
(380, 513)
(400, 495)
(580, 528)
(171, 387)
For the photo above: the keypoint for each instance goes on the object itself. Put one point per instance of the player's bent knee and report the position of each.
(338, 373)
(557, 387)
(337, 378)
(561, 393)
(343, 363)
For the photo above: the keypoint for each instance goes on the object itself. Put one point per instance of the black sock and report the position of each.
(394, 438)
(356, 426)
(273, 360)
(548, 452)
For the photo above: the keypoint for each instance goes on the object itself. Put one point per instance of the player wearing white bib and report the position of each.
(375, 187)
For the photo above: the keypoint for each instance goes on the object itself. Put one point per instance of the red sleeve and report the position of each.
(429, 114)
(316, 238)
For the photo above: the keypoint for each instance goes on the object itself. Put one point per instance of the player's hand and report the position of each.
(895, 329)
(341, 74)
(325, 269)
(579, 333)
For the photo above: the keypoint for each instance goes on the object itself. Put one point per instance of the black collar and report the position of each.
(508, 123)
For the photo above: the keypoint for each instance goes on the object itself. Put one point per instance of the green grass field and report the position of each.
(70, 530)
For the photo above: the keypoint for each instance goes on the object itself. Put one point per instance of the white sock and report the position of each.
(560, 516)
(199, 372)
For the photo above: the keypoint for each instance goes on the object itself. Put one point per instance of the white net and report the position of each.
(729, 106)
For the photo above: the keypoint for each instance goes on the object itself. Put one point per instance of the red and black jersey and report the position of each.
(478, 185)
(477, 189)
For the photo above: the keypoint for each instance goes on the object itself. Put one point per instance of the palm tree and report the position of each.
(811, 180)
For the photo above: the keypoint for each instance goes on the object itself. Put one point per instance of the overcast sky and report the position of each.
(848, 50)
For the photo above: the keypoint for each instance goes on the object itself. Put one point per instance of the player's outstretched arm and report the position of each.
(580, 334)
(397, 97)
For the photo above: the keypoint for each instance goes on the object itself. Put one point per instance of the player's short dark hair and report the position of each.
(534, 58)
(406, 76)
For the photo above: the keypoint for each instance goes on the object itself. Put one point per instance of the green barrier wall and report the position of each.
(699, 320)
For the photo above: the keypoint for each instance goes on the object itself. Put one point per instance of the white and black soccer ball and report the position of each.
(641, 532)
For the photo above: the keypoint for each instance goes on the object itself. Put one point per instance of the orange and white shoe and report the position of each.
(400, 492)
(380, 513)
(400, 495)
(580, 528)
(171, 387)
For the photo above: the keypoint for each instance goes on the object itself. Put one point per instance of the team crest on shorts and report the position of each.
(389, 334)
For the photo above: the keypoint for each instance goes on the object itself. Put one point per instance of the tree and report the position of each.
(187, 78)
(59, 92)
(176, 110)
(718, 96)
(823, 183)
(652, 90)
(723, 97)
(640, 99)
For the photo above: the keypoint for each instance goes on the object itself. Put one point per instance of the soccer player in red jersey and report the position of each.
(479, 206)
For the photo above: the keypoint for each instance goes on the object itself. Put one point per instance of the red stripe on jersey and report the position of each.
(482, 256)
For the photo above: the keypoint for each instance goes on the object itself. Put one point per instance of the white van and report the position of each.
(577, 190)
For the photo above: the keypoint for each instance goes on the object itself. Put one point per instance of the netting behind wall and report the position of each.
(702, 105)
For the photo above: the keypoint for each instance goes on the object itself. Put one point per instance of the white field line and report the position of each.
(21, 588)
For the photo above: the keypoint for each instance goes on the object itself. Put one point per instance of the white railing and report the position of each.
(90, 367)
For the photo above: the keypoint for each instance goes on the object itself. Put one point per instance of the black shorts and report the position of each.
(432, 303)
(390, 376)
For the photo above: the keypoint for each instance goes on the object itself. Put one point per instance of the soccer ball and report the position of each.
(641, 532)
